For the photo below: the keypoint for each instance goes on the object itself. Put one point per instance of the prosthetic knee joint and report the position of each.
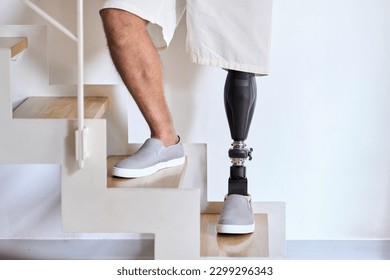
(240, 100)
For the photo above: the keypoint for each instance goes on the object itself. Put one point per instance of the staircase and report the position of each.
(15, 45)
(60, 108)
(171, 205)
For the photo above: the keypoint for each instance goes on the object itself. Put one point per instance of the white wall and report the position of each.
(320, 132)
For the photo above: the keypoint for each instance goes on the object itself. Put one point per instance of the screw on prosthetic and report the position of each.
(240, 100)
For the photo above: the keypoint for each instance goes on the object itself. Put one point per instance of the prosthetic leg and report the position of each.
(240, 99)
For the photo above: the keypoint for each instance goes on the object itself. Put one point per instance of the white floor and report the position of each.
(338, 249)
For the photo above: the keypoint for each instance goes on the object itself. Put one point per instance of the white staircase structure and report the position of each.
(38, 127)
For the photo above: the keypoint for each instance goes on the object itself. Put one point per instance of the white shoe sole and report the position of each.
(235, 229)
(135, 173)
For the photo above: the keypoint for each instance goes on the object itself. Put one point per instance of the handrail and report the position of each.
(81, 152)
(81, 132)
(50, 19)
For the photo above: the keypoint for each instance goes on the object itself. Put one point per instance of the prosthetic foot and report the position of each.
(240, 100)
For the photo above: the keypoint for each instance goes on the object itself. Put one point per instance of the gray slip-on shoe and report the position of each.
(237, 215)
(150, 158)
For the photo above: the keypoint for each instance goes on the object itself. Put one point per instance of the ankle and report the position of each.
(168, 140)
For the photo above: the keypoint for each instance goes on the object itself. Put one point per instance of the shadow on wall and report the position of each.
(32, 68)
(62, 51)
(62, 67)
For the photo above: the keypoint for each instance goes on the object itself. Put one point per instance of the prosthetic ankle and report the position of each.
(240, 101)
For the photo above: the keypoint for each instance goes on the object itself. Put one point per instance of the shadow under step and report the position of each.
(15, 44)
(60, 108)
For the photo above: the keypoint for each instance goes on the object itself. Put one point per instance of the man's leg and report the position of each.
(240, 100)
(138, 64)
(242, 45)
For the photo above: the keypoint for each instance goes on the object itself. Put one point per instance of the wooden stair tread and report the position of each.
(60, 108)
(168, 178)
(15, 44)
(253, 245)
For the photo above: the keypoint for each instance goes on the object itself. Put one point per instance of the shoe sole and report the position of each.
(136, 173)
(235, 229)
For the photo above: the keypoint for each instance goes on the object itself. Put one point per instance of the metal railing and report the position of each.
(81, 132)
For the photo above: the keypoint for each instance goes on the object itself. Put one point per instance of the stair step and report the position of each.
(15, 44)
(168, 178)
(253, 245)
(60, 108)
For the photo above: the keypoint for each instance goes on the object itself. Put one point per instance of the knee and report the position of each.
(119, 25)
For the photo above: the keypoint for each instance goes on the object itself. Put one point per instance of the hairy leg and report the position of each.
(139, 66)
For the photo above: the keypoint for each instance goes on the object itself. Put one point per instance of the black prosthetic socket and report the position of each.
(240, 101)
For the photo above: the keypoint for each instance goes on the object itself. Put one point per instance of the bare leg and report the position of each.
(139, 66)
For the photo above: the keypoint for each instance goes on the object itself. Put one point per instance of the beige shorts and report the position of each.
(229, 34)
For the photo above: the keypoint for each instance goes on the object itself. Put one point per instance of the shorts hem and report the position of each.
(128, 7)
(230, 65)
